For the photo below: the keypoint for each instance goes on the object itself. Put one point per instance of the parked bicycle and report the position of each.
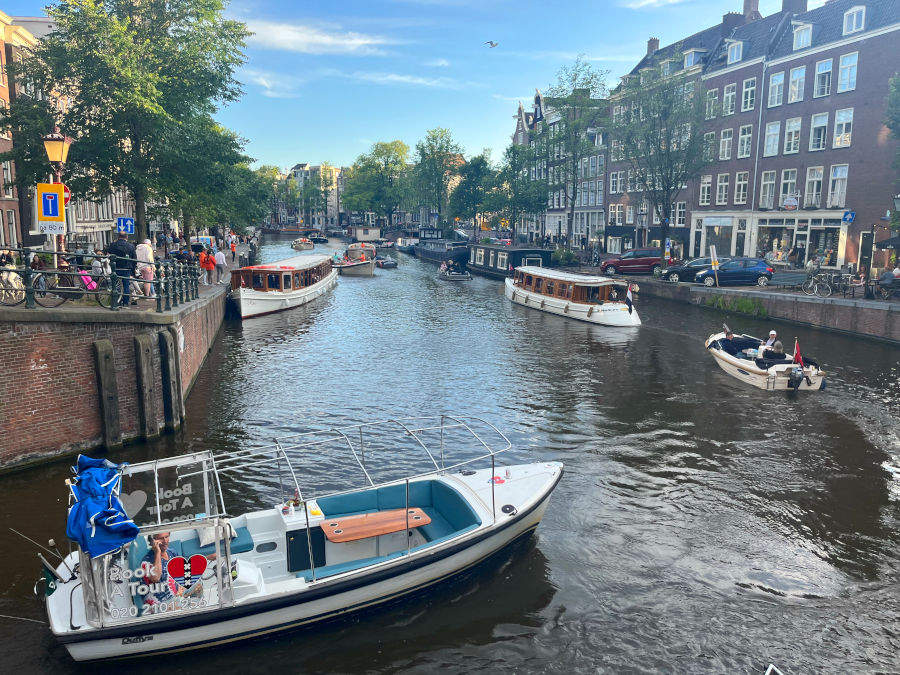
(51, 289)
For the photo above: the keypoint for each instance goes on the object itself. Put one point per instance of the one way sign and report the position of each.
(848, 216)
(125, 225)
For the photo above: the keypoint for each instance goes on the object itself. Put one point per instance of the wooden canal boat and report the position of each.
(263, 289)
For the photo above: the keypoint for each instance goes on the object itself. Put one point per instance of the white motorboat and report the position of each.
(355, 268)
(754, 364)
(451, 275)
(309, 557)
(302, 244)
(361, 250)
(594, 299)
(263, 289)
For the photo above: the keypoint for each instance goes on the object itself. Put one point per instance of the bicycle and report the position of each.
(52, 290)
(817, 283)
(12, 290)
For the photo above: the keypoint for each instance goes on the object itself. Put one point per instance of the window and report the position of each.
(741, 181)
(722, 189)
(7, 180)
(843, 125)
(705, 189)
(776, 89)
(748, 96)
(735, 50)
(798, 82)
(773, 131)
(629, 215)
(818, 134)
(837, 187)
(767, 190)
(854, 19)
(667, 68)
(709, 146)
(725, 143)
(823, 79)
(813, 186)
(729, 97)
(616, 212)
(788, 184)
(847, 72)
(691, 59)
(744, 141)
(11, 224)
(802, 37)
(792, 136)
(712, 103)
(613, 182)
(680, 212)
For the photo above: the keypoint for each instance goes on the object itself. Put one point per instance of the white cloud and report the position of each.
(437, 63)
(273, 85)
(571, 56)
(413, 80)
(310, 40)
(644, 4)
(514, 99)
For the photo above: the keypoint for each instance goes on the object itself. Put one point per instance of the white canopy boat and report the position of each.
(263, 289)
(355, 268)
(761, 367)
(594, 299)
(302, 244)
(308, 558)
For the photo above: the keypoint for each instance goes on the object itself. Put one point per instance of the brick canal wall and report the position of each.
(874, 319)
(80, 378)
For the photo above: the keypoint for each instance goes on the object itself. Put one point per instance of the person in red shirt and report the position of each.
(233, 250)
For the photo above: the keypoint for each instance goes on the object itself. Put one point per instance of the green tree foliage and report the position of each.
(376, 182)
(660, 132)
(310, 197)
(514, 194)
(468, 198)
(437, 161)
(893, 123)
(140, 75)
(577, 111)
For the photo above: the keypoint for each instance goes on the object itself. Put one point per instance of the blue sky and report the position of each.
(325, 80)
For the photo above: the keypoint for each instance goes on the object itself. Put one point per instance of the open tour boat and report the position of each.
(263, 289)
(594, 299)
(302, 244)
(763, 368)
(125, 592)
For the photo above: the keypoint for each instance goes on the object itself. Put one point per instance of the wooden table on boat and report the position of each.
(351, 528)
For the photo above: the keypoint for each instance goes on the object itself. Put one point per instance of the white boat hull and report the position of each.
(360, 268)
(607, 314)
(528, 487)
(255, 303)
(776, 378)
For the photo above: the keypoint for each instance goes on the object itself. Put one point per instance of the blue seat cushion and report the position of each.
(331, 570)
(352, 502)
(452, 506)
(438, 527)
(241, 543)
(445, 537)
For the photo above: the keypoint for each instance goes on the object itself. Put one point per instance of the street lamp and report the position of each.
(57, 147)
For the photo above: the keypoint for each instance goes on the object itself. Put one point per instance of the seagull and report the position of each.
(492, 43)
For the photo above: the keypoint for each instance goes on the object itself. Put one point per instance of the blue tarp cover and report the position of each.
(97, 520)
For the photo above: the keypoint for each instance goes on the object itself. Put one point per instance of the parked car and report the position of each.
(637, 261)
(688, 270)
(737, 272)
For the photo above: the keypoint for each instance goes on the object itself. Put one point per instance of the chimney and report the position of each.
(731, 21)
(652, 46)
(751, 11)
(793, 6)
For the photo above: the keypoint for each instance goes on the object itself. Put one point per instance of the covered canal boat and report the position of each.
(263, 289)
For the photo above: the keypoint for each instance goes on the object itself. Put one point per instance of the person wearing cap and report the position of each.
(144, 252)
(772, 337)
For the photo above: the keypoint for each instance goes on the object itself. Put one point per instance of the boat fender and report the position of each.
(566, 308)
(542, 303)
(590, 310)
(513, 298)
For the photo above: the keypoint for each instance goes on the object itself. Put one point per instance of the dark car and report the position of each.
(738, 272)
(688, 270)
(636, 261)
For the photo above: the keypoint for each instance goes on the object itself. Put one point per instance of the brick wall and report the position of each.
(49, 400)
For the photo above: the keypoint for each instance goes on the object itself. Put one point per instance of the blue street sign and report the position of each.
(125, 225)
(50, 205)
(848, 216)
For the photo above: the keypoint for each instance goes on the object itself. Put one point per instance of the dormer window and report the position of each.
(854, 20)
(667, 68)
(691, 59)
(735, 51)
(802, 36)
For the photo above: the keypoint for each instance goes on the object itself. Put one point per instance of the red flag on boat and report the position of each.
(797, 357)
(628, 298)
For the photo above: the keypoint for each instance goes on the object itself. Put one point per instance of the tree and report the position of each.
(659, 133)
(135, 72)
(326, 177)
(577, 112)
(375, 182)
(310, 196)
(468, 197)
(437, 159)
(514, 194)
(893, 123)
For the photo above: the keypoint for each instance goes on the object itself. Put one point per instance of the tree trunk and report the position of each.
(140, 214)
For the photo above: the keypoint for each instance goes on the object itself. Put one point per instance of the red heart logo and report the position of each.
(175, 568)
(198, 565)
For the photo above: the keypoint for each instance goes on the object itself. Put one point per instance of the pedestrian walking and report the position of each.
(209, 266)
(233, 250)
(220, 267)
(125, 264)
(202, 259)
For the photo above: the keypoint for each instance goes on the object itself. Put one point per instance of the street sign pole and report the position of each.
(715, 263)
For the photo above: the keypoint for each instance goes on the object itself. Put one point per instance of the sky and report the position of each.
(323, 81)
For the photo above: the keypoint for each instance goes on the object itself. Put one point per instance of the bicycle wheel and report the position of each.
(105, 292)
(11, 294)
(823, 289)
(809, 286)
(47, 291)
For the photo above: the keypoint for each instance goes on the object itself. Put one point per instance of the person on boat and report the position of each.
(776, 352)
(773, 336)
(736, 347)
(444, 266)
(155, 564)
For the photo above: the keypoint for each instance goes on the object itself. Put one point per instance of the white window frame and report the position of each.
(712, 103)
(797, 84)
(629, 214)
(812, 132)
(851, 24)
(792, 129)
(745, 141)
(692, 58)
(767, 196)
(802, 36)
(837, 197)
(729, 99)
(776, 89)
(788, 179)
(820, 91)
(843, 129)
(705, 190)
(726, 140)
(680, 213)
(709, 146)
(748, 92)
(850, 69)
(722, 188)
(735, 51)
(741, 184)
(773, 135)
(814, 174)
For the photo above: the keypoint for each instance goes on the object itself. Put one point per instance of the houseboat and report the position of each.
(432, 246)
(498, 261)
(263, 289)
(595, 299)
(407, 245)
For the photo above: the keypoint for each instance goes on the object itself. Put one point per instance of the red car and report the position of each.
(637, 261)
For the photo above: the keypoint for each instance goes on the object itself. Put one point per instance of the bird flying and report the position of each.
(492, 43)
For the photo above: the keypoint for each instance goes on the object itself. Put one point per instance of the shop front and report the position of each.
(718, 231)
(792, 241)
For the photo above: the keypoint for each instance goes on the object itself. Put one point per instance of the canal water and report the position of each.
(701, 525)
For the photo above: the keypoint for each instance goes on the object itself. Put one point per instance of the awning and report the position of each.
(97, 520)
(893, 242)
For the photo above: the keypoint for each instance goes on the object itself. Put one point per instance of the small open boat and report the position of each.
(385, 262)
(449, 275)
(355, 268)
(752, 363)
(361, 250)
(302, 244)
(167, 570)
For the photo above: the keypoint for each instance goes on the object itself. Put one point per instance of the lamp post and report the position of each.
(57, 147)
